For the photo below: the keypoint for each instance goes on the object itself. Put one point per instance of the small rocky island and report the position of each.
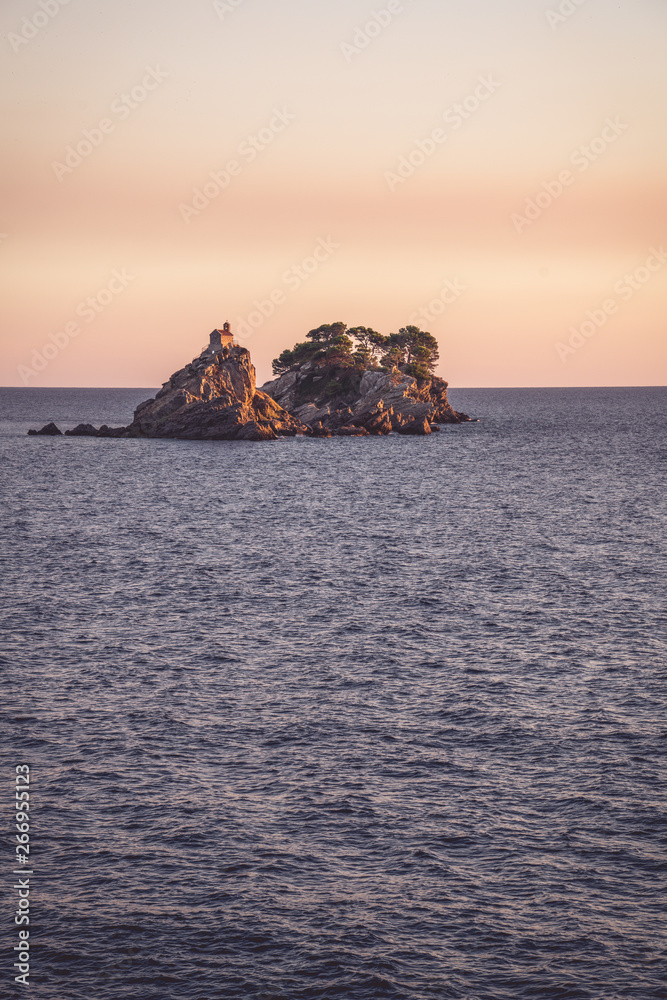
(339, 382)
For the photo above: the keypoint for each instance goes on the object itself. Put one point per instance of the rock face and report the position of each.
(212, 398)
(341, 401)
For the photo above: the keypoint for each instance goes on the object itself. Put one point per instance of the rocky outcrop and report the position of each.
(213, 398)
(345, 401)
(87, 430)
(48, 429)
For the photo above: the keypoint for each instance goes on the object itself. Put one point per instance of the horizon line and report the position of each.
(128, 388)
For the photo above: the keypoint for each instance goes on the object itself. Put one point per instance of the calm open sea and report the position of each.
(350, 718)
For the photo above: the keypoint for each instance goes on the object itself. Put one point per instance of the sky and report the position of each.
(493, 173)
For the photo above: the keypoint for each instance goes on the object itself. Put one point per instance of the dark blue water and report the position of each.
(347, 718)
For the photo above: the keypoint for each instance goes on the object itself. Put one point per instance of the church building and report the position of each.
(221, 338)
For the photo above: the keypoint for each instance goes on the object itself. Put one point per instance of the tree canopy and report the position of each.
(411, 350)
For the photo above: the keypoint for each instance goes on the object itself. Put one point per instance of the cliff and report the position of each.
(214, 397)
(344, 400)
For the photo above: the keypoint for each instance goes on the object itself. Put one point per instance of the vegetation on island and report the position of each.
(411, 351)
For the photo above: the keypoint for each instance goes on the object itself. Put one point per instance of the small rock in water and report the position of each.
(416, 427)
(49, 429)
(82, 430)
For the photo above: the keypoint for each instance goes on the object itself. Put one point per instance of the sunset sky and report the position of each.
(375, 162)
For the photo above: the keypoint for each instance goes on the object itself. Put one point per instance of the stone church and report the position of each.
(221, 338)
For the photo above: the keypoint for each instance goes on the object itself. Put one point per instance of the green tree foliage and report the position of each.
(394, 355)
(411, 350)
(340, 351)
(420, 347)
(371, 343)
(327, 332)
(283, 362)
(364, 356)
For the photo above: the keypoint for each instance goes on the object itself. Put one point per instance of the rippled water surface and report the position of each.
(348, 718)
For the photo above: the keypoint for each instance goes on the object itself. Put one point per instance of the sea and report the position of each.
(370, 719)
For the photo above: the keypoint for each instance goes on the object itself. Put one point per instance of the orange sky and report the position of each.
(494, 173)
